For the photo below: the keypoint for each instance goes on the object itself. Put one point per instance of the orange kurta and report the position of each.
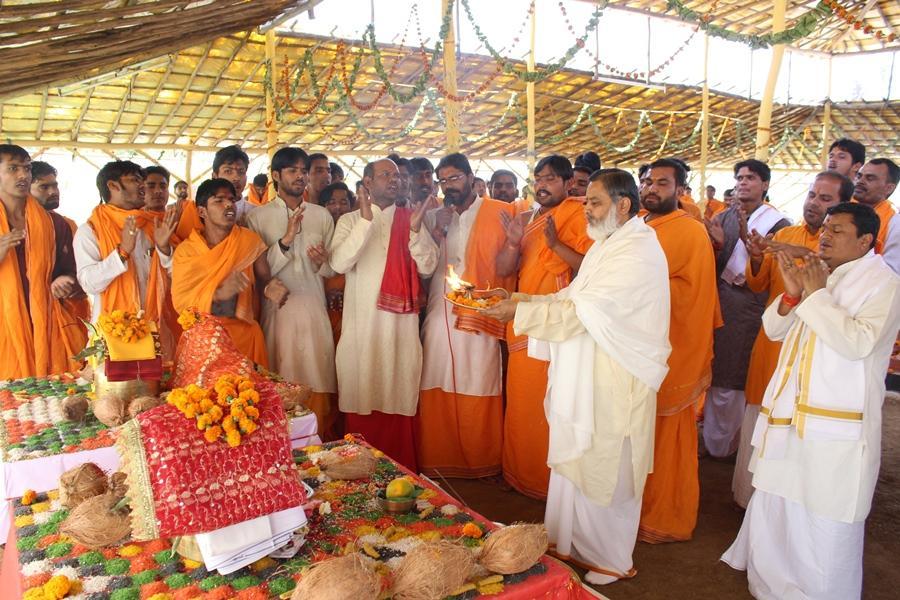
(687, 204)
(713, 207)
(70, 315)
(198, 270)
(764, 356)
(254, 197)
(541, 271)
(461, 435)
(189, 221)
(28, 330)
(885, 211)
(672, 491)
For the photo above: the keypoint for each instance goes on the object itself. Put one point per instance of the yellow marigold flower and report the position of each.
(246, 384)
(212, 434)
(252, 411)
(206, 404)
(28, 497)
(57, 587)
(117, 315)
(229, 425)
(233, 438)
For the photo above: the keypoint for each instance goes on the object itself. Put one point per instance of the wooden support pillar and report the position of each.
(704, 124)
(530, 154)
(451, 106)
(826, 120)
(187, 172)
(764, 124)
(271, 126)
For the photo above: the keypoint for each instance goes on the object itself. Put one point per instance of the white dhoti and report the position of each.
(598, 538)
(723, 414)
(742, 481)
(792, 554)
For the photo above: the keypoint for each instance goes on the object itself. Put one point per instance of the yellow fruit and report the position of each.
(399, 488)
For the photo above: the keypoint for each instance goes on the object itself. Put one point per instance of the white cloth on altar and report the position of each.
(742, 480)
(298, 335)
(761, 220)
(723, 413)
(598, 536)
(379, 355)
(96, 272)
(789, 553)
(833, 468)
(456, 361)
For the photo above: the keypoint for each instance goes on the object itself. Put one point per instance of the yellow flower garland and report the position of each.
(124, 325)
(228, 411)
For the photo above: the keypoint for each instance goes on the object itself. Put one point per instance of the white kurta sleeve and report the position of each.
(166, 261)
(349, 241)
(853, 337)
(776, 326)
(891, 252)
(424, 251)
(327, 235)
(95, 273)
(547, 321)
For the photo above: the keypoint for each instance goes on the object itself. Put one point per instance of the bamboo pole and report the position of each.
(188, 163)
(271, 130)
(452, 106)
(530, 153)
(764, 124)
(826, 120)
(704, 124)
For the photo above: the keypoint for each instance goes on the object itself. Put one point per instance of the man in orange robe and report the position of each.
(672, 491)
(460, 419)
(713, 206)
(29, 257)
(221, 270)
(258, 192)
(71, 307)
(545, 244)
(120, 246)
(828, 189)
(875, 183)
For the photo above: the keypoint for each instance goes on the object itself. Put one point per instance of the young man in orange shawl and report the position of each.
(382, 249)
(120, 246)
(672, 492)
(828, 189)
(460, 421)
(713, 206)
(222, 270)
(71, 306)
(34, 273)
(545, 244)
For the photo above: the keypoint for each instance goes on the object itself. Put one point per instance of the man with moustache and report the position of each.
(741, 307)
(545, 244)
(318, 179)
(847, 157)
(828, 189)
(608, 337)
(382, 249)
(297, 234)
(503, 186)
(405, 179)
(36, 272)
(120, 247)
(460, 420)
(421, 181)
(875, 182)
(181, 191)
(672, 493)
(223, 271)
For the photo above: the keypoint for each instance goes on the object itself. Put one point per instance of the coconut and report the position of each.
(142, 403)
(432, 570)
(75, 408)
(95, 522)
(292, 395)
(349, 576)
(118, 484)
(110, 410)
(83, 482)
(350, 463)
(514, 548)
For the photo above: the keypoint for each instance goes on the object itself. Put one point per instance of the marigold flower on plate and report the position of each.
(28, 497)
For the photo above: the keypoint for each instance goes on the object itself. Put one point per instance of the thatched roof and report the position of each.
(212, 92)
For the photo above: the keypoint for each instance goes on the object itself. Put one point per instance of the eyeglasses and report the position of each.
(451, 179)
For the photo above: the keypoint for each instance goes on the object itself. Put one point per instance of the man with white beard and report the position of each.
(608, 335)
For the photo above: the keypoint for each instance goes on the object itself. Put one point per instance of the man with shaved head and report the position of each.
(382, 249)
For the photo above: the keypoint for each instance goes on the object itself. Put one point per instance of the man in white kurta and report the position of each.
(298, 335)
(379, 355)
(817, 441)
(609, 342)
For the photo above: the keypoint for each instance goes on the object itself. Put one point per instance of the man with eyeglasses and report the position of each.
(545, 244)
(120, 245)
(382, 249)
(460, 421)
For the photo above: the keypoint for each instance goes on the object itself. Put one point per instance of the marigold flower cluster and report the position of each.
(227, 412)
(124, 325)
(189, 317)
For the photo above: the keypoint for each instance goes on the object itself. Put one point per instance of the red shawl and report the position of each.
(400, 288)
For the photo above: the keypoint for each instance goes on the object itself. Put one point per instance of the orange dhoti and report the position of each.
(526, 434)
(672, 491)
(474, 424)
(325, 407)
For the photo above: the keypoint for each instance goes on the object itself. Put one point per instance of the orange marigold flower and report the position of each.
(472, 530)
(212, 434)
(28, 497)
(233, 438)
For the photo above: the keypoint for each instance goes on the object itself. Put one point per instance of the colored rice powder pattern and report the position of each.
(32, 424)
(347, 520)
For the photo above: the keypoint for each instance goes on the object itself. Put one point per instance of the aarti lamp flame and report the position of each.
(455, 283)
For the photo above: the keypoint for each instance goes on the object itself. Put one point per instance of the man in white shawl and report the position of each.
(817, 441)
(608, 339)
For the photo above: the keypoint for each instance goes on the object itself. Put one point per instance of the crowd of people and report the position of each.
(634, 314)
